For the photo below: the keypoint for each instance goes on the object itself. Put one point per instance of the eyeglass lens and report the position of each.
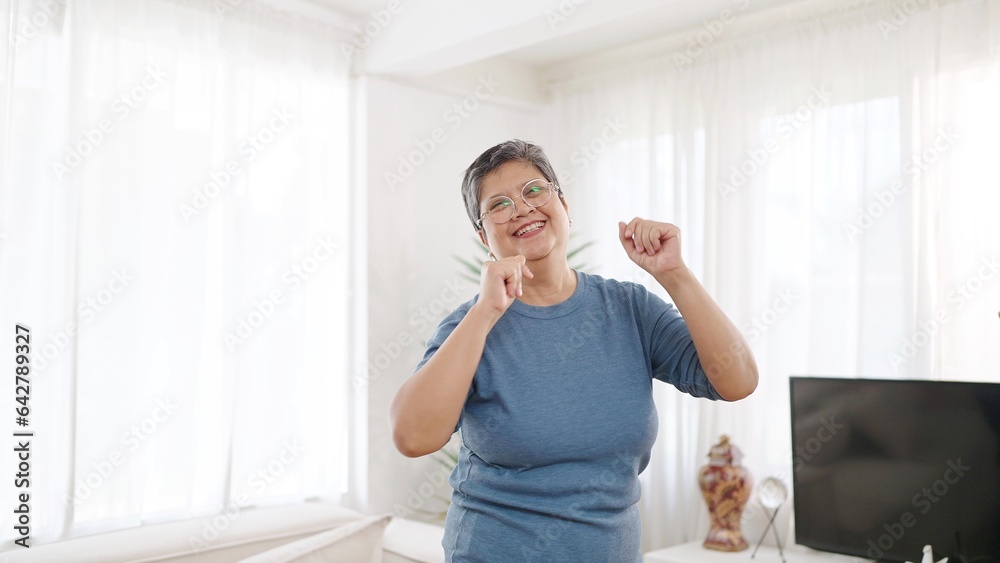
(535, 193)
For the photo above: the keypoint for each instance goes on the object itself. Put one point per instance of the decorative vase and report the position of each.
(726, 485)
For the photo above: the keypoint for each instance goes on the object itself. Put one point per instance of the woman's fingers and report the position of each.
(652, 238)
(637, 234)
(644, 236)
(630, 236)
(525, 271)
(513, 281)
(651, 244)
(508, 271)
(518, 270)
(625, 238)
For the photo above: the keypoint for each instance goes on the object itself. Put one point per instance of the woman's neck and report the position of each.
(552, 284)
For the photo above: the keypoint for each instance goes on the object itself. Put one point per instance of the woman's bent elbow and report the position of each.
(744, 385)
(412, 445)
(415, 433)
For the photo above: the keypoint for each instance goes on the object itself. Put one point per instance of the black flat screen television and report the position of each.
(881, 468)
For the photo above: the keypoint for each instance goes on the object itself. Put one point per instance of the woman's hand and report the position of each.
(654, 247)
(500, 283)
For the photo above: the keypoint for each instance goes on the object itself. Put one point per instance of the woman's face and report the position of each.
(511, 238)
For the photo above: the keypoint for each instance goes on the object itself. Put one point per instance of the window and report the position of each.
(176, 224)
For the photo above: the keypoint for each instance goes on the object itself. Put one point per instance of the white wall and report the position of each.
(416, 223)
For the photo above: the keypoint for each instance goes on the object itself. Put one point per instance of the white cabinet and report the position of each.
(695, 553)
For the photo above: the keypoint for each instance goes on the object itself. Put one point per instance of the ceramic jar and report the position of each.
(726, 485)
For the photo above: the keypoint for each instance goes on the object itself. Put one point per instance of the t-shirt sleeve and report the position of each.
(441, 334)
(671, 349)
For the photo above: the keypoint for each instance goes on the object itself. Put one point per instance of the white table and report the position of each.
(694, 553)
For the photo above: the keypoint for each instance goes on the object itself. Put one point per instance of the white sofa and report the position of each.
(311, 532)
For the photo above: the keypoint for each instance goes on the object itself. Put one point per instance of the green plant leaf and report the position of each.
(471, 266)
(452, 456)
(447, 464)
(577, 250)
(471, 271)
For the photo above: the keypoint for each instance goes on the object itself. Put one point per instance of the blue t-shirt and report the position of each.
(559, 423)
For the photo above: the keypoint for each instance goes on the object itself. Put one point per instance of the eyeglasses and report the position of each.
(535, 193)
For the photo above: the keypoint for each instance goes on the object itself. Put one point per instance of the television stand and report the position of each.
(694, 553)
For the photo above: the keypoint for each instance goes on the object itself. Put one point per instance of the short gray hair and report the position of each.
(515, 150)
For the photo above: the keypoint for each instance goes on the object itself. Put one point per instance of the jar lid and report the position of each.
(724, 453)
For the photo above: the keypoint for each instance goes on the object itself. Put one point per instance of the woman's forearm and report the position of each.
(426, 408)
(722, 350)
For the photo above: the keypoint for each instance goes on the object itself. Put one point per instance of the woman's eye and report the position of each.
(499, 206)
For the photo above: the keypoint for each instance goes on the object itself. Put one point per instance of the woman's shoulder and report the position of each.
(626, 294)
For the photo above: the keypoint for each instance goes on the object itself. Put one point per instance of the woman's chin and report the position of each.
(534, 254)
(532, 248)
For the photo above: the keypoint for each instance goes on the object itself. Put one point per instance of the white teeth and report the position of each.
(528, 229)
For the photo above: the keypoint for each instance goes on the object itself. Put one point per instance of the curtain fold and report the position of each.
(834, 183)
(175, 230)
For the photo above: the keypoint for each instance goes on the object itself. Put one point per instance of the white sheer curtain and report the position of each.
(175, 223)
(835, 180)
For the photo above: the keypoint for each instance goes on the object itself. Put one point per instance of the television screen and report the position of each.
(882, 468)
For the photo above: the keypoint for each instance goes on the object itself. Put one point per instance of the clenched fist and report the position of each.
(500, 283)
(653, 246)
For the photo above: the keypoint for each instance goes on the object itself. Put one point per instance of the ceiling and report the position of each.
(424, 38)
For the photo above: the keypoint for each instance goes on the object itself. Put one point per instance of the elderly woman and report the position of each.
(548, 372)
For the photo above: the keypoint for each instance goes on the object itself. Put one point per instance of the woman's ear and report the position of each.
(482, 237)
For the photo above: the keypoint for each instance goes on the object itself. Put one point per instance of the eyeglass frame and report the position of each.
(551, 185)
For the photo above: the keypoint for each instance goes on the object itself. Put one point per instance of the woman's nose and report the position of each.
(520, 210)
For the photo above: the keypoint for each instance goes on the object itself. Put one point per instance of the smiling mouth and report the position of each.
(529, 228)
